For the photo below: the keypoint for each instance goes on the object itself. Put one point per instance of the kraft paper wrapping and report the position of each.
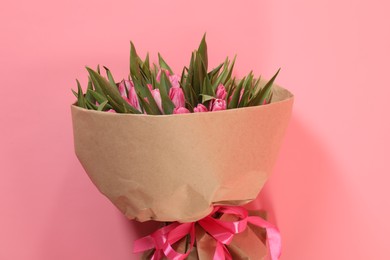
(176, 167)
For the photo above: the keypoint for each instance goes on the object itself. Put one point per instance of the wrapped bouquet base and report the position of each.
(227, 233)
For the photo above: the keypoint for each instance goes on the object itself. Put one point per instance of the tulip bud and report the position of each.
(177, 96)
(175, 79)
(133, 98)
(181, 110)
(127, 91)
(221, 92)
(124, 86)
(158, 77)
(157, 97)
(200, 108)
(217, 105)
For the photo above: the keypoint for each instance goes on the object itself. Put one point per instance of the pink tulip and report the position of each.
(177, 96)
(200, 108)
(217, 105)
(150, 86)
(122, 88)
(131, 98)
(221, 92)
(158, 77)
(157, 97)
(175, 80)
(181, 110)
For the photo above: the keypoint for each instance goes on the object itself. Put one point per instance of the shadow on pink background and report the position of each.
(329, 190)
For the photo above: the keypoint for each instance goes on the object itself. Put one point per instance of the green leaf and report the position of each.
(117, 107)
(206, 98)
(145, 70)
(207, 88)
(230, 86)
(230, 71)
(96, 86)
(122, 107)
(167, 84)
(110, 91)
(101, 83)
(134, 66)
(110, 77)
(214, 73)
(183, 76)
(75, 93)
(166, 102)
(99, 97)
(194, 100)
(144, 92)
(88, 95)
(236, 94)
(146, 62)
(255, 87)
(80, 96)
(225, 71)
(269, 99)
(199, 75)
(91, 105)
(259, 98)
(247, 87)
(163, 64)
(102, 105)
(202, 51)
(146, 107)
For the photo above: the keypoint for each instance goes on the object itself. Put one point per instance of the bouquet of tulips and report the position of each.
(148, 146)
(158, 91)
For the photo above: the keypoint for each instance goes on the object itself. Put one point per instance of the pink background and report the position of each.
(330, 189)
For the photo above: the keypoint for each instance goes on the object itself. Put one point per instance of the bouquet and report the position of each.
(186, 150)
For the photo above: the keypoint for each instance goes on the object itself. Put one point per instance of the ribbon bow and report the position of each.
(222, 231)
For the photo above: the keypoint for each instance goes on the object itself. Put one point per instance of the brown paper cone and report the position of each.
(176, 167)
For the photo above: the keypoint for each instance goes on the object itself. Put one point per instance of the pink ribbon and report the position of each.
(222, 231)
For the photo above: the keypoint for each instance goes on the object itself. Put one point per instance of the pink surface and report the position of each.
(329, 192)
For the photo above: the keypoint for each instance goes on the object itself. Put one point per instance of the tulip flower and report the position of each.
(140, 92)
(181, 110)
(157, 97)
(221, 92)
(122, 89)
(217, 105)
(177, 96)
(158, 77)
(127, 90)
(200, 108)
(175, 80)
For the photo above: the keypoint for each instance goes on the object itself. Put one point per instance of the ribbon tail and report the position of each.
(221, 252)
(143, 244)
(273, 236)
